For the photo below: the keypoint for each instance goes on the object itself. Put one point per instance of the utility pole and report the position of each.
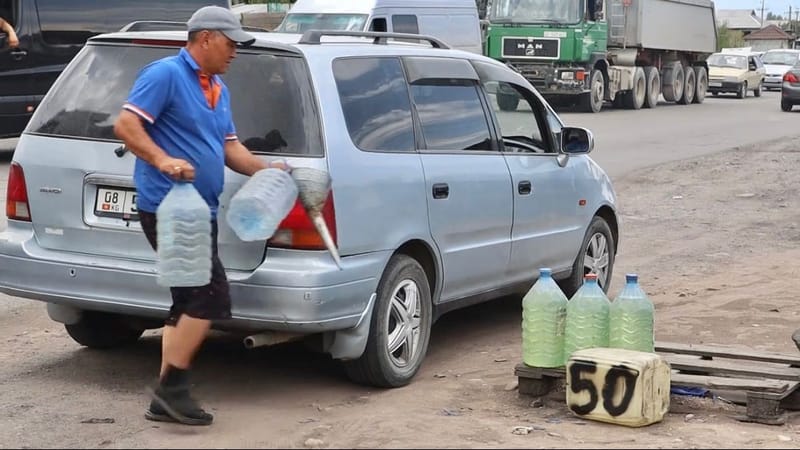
(762, 13)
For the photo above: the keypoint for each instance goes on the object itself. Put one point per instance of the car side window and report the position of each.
(405, 23)
(452, 116)
(374, 97)
(520, 117)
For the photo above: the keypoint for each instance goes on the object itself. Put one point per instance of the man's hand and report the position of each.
(13, 42)
(280, 164)
(177, 169)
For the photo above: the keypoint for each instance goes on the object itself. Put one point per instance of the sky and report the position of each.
(775, 6)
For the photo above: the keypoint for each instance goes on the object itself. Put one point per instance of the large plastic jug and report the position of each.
(183, 226)
(256, 210)
(631, 318)
(587, 318)
(544, 311)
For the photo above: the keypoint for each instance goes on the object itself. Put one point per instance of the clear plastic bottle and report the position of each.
(184, 238)
(587, 318)
(256, 210)
(632, 318)
(544, 310)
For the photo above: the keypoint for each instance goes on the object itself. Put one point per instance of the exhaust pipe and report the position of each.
(270, 338)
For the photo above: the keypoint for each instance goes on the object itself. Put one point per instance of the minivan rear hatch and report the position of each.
(79, 176)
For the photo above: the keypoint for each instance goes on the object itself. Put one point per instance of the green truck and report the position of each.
(588, 52)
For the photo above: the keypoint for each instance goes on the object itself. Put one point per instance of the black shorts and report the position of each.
(210, 302)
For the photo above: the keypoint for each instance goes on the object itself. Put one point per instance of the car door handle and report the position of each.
(17, 55)
(441, 190)
(524, 187)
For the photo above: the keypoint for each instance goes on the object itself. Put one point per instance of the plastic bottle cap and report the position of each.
(590, 276)
(631, 277)
(545, 272)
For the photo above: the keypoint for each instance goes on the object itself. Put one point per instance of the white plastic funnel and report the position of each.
(313, 186)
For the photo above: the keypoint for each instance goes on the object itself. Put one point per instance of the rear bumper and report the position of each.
(773, 82)
(790, 93)
(293, 291)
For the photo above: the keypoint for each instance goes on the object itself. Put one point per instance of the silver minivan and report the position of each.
(439, 199)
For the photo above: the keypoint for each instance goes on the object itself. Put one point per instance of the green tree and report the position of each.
(727, 38)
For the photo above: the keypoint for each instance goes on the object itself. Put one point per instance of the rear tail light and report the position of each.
(297, 231)
(17, 207)
(790, 77)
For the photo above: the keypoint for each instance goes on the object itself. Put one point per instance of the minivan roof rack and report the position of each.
(314, 37)
(163, 25)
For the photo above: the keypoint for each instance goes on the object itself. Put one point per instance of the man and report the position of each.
(177, 121)
(5, 27)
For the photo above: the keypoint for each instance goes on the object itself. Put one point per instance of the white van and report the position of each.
(453, 21)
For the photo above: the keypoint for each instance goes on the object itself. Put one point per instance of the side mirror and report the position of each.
(576, 140)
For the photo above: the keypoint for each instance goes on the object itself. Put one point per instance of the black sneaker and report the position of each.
(176, 404)
(157, 414)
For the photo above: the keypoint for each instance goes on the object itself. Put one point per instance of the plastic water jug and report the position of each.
(587, 318)
(256, 210)
(184, 238)
(544, 311)
(631, 318)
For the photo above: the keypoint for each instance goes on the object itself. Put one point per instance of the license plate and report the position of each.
(116, 202)
(715, 84)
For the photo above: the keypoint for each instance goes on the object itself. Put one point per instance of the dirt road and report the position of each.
(715, 241)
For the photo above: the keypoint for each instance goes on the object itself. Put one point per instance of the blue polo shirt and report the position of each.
(168, 96)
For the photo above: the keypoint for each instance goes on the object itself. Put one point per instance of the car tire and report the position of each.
(701, 84)
(757, 91)
(380, 365)
(103, 331)
(742, 93)
(598, 245)
(592, 101)
(786, 106)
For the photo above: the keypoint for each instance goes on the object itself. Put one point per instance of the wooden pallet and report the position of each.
(769, 381)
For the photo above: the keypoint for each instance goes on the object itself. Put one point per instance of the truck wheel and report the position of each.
(595, 256)
(653, 81)
(742, 93)
(701, 81)
(399, 329)
(592, 101)
(103, 331)
(507, 102)
(689, 87)
(673, 81)
(634, 99)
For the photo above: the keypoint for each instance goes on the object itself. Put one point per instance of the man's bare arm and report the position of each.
(240, 160)
(5, 26)
(129, 128)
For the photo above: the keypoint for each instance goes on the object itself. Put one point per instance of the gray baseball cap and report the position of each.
(219, 19)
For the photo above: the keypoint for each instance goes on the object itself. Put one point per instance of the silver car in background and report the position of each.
(439, 199)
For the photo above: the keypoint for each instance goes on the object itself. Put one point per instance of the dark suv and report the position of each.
(50, 34)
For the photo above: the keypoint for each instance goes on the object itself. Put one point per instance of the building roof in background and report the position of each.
(738, 19)
(769, 33)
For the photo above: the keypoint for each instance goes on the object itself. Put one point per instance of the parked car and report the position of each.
(51, 32)
(790, 88)
(735, 72)
(439, 200)
(454, 21)
(777, 62)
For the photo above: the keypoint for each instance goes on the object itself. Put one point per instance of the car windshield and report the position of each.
(722, 60)
(300, 23)
(780, 58)
(536, 11)
(271, 97)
